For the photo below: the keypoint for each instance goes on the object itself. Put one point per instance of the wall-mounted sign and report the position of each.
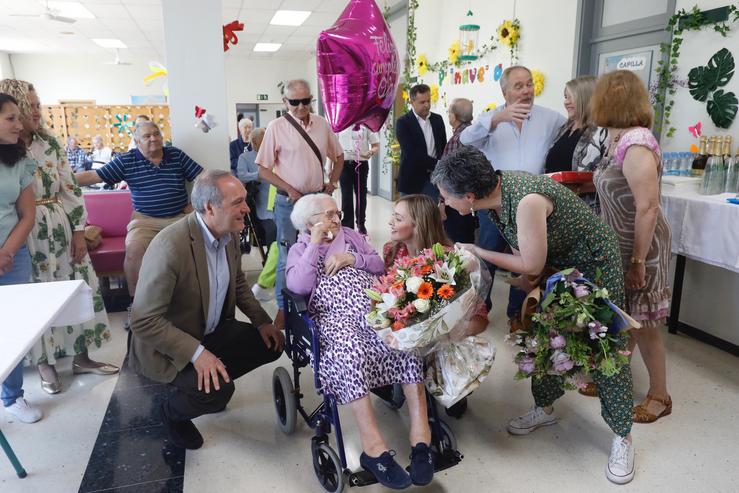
(262, 97)
(639, 62)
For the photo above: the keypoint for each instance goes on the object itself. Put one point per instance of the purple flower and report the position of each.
(573, 275)
(581, 290)
(596, 330)
(562, 361)
(557, 341)
(526, 364)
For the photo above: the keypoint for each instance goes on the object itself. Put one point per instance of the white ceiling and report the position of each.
(138, 23)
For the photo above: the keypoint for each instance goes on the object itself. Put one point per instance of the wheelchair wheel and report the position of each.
(284, 396)
(327, 467)
(447, 438)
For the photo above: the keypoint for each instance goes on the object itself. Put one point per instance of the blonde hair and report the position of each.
(426, 218)
(20, 89)
(582, 89)
(620, 100)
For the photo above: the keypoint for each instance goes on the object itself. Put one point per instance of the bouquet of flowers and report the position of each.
(418, 303)
(421, 298)
(576, 331)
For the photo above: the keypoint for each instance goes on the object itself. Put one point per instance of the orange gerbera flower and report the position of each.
(425, 291)
(426, 269)
(446, 291)
(397, 325)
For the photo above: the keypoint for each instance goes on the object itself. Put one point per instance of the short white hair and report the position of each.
(244, 122)
(305, 207)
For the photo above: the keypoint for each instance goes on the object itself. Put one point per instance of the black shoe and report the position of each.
(386, 470)
(458, 409)
(422, 464)
(183, 433)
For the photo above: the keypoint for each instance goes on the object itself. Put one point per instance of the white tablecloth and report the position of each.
(27, 310)
(704, 227)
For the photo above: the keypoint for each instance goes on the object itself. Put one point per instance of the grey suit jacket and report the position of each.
(172, 296)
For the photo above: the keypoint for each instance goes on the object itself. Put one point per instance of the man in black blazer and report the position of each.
(422, 137)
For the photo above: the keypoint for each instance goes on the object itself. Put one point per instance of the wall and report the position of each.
(547, 44)
(697, 49)
(6, 68)
(58, 77)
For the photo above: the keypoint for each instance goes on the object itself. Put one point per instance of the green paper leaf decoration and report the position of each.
(704, 79)
(723, 108)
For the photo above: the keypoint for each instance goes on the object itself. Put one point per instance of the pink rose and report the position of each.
(561, 361)
(557, 341)
(526, 365)
(581, 290)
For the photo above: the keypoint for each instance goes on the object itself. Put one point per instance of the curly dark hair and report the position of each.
(10, 154)
(465, 170)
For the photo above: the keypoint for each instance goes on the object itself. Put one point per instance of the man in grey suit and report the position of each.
(184, 330)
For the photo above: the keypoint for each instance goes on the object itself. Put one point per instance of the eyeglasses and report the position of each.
(330, 214)
(304, 101)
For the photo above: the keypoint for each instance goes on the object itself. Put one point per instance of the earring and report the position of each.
(472, 211)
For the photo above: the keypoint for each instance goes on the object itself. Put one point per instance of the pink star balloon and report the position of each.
(357, 67)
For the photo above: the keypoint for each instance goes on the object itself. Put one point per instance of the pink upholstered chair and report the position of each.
(111, 211)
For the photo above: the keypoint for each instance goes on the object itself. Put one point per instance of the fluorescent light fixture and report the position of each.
(109, 43)
(269, 47)
(289, 17)
(74, 10)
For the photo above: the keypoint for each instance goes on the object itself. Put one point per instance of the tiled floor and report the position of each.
(78, 446)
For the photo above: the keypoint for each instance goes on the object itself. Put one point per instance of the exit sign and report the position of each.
(262, 97)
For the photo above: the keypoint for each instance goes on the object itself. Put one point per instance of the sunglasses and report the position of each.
(304, 101)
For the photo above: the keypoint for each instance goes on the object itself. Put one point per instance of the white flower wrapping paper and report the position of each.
(454, 369)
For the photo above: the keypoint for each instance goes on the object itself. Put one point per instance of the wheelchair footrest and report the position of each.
(360, 478)
(447, 459)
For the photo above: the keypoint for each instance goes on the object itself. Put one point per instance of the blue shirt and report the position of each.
(218, 278)
(13, 180)
(248, 170)
(77, 159)
(157, 191)
(511, 149)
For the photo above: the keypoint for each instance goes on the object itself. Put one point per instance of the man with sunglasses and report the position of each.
(291, 158)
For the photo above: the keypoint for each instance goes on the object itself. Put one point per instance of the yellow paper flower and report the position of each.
(508, 33)
(422, 64)
(405, 95)
(538, 79)
(491, 107)
(434, 93)
(454, 53)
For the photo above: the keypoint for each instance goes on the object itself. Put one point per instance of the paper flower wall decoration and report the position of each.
(434, 93)
(157, 71)
(123, 124)
(491, 107)
(538, 79)
(422, 64)
(454, 52)
(509, 32)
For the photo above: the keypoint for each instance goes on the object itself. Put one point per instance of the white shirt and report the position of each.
(218, 279)
(511, 149)
(101, 157)
(363, 138)
(428, 134)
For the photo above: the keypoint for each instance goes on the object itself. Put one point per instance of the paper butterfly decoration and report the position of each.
(695, 130)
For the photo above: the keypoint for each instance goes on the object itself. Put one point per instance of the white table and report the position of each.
(705, 228)
(27, 311)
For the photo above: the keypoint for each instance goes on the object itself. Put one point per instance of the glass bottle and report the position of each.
(713, 176)
(732, 172)
(699, 163)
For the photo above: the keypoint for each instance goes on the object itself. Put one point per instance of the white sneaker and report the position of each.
(262, 294)
(535, 418)
(23, 411)
(620, 468)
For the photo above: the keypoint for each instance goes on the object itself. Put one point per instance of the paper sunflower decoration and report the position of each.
(538, 79)
(509, 32)
(422, 64)
(406, 97)
(434, 93)
(491, 107)
(454, 52)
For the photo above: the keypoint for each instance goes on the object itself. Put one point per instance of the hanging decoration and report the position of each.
(205, 122)
(704, 81)
(358, 67)
(123, 124)
(454, 52)
(468, 37)
(538, 78)
(695, 130)
(667, 82)
(434, 93)
(157, 70)
(229, 34)
(498, 72)
(509, 34)
(422, 65)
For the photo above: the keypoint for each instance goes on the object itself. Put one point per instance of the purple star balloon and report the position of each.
(357, 67)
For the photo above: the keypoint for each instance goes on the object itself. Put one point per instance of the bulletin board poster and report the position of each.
(638, 62)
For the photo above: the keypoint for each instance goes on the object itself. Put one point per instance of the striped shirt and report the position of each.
(157, 191)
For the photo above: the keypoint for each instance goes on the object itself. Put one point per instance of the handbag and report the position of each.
(93, 236)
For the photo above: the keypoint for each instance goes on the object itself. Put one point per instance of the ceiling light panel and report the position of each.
(267, 47)
(289, 17)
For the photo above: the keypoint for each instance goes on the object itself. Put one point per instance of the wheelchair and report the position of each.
(329, 464)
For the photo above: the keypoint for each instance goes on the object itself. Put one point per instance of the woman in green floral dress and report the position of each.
(547, 225)
(57, 245)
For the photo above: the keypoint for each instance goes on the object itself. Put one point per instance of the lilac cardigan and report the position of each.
(302, 261)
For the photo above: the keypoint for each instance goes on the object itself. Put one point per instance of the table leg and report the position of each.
(677, 294)
(11, 456)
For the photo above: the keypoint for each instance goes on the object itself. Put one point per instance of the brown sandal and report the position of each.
(589, 390)
(642, 415)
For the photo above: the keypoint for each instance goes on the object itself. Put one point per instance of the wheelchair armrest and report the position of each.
(300, 302)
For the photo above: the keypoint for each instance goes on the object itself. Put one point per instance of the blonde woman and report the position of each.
(57, 244)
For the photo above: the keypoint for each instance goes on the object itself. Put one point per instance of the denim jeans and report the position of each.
(491, 239)
(286, 234)
(12, 387)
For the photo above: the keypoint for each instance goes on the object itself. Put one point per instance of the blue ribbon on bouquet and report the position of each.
(618, 323)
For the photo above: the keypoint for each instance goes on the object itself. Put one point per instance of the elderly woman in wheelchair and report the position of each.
(332, 265)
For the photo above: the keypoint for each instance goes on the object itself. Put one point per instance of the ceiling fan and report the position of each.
(117, 60)
(49, 14)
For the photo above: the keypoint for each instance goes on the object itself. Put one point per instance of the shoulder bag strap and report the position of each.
(307, 138)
